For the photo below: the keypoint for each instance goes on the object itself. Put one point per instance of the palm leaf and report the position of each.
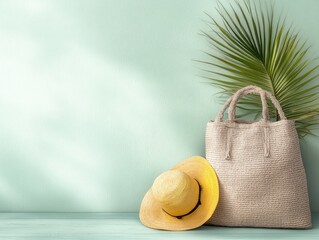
(250, 46)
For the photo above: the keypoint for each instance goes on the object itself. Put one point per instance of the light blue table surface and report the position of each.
(126, 226)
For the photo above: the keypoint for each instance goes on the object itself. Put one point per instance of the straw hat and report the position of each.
(182, 198)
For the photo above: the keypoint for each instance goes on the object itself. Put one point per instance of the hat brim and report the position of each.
(153, 216)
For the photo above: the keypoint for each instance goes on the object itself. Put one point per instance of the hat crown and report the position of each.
(176, 192)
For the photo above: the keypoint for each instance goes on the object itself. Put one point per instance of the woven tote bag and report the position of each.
(258, 163)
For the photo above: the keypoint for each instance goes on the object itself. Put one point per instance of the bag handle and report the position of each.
(232, 102)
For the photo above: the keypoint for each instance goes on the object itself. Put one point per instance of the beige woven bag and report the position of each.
(261, 175)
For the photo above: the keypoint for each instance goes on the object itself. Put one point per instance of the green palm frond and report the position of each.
(250, 46)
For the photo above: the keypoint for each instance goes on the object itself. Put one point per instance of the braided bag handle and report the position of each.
(233, 100)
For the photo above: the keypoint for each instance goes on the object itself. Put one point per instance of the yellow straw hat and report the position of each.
(182, 198)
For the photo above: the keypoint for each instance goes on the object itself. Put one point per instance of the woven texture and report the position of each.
(261, 175)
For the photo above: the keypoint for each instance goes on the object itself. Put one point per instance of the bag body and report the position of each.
(259, 167)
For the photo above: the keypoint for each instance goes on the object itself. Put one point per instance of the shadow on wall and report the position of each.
(83, 137)
(81, 131)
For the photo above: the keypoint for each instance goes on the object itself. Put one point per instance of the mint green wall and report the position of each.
(99, 97)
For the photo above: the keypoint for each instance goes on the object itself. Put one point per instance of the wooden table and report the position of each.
(91, 226)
